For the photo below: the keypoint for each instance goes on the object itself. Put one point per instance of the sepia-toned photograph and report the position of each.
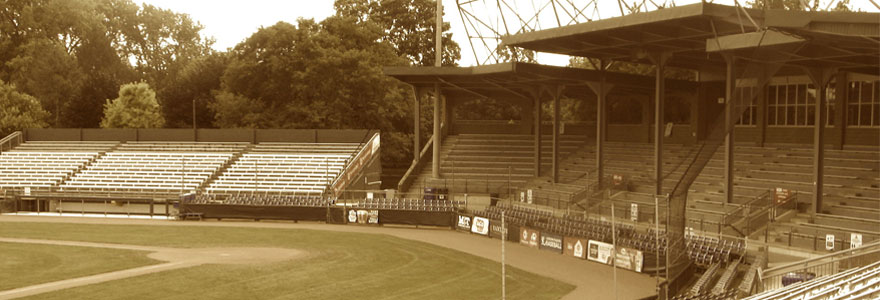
(440, 149)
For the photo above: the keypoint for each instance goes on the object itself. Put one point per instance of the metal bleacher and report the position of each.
(160, 167)
(285, 168)
(42, 165)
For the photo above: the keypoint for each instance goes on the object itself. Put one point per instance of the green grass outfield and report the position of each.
(28, 264)
(339, 265)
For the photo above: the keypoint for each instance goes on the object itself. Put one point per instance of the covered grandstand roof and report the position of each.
(841, 39)
(519, 80)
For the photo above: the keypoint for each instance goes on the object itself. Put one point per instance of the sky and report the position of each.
(230, 22)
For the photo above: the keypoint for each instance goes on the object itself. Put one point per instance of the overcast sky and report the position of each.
(232, 21)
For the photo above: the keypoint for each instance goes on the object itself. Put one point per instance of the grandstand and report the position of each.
(139, 177)
(772, 145)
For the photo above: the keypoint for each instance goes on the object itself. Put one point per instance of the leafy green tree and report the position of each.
(136, 107)
(44, 69)
(71, 54)
(194, 83)
(19, 110)
(316, 75)
(409, 26)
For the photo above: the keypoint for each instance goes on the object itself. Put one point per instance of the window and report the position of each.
(795, 105)
(747, 105)
(863, 109)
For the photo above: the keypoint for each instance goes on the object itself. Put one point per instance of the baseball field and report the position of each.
(77, 258)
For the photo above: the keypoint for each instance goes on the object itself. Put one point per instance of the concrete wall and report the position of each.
(341, 135)
(116, 134)
(226, 135)
(286, 135)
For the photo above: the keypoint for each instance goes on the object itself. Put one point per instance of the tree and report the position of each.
(409, 26)
(72, 54)
(44, 69)
(136, 107)
(194, 83)
(316, 75)
(19, 110)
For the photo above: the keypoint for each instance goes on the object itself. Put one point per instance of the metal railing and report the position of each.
(353, 165)
(828, 264)
(11, 141)
(758, 212)
(408, 177)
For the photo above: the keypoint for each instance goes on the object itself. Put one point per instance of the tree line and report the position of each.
(116, 64)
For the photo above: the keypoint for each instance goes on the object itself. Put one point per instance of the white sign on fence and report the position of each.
(634, 212)
(855, 240)
(829, 242)
(530, 196)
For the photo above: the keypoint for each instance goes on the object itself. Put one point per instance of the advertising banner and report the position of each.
(625, 258)
(551, 242)
(630, 259)
(576, 247)
(495, 230)
(529, 237)
(363, 216)
(464, 223)
(599, 252)
(480, 226)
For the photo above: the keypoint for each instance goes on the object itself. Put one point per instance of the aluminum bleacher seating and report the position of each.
(287, 168)
(44, 165)
(160, 167)
(856, 283)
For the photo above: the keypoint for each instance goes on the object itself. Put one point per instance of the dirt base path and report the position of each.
(592, 280)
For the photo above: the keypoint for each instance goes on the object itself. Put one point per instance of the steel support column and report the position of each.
(659, 97)
(417, 118)
(556, 95)
(841, 97)
(729, 125)
(601, 90)
(435, 162)
(820, 78)
(537, 131)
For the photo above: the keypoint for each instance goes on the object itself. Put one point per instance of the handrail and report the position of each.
(735, 214)
(408, 177)
(803, 264)
(364, 155)
(13, 139)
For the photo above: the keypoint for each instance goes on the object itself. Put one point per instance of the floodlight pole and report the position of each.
(503, 269)
(657, 239)
(614, 249)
